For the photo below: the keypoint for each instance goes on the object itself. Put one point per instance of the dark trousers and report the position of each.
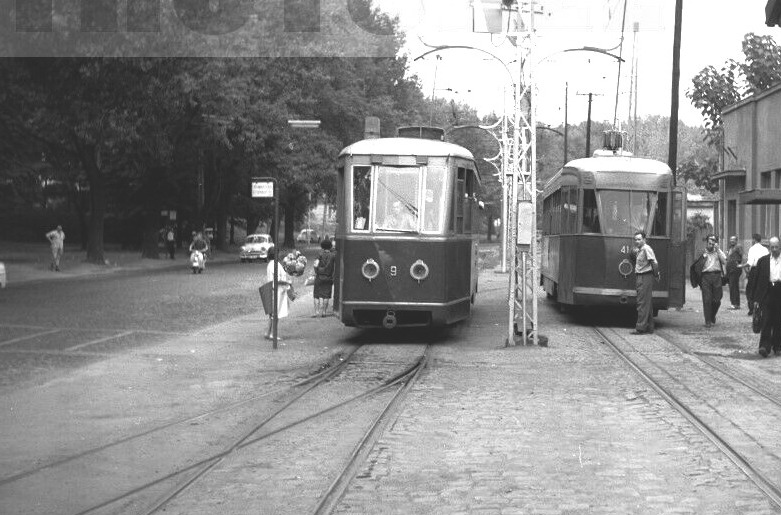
(171, 245)
(751, 280)
(734, 287)
(644, 284)
(712, 291)
(770, 338)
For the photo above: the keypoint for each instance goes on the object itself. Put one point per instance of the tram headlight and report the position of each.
(419, 270)
(370, 269)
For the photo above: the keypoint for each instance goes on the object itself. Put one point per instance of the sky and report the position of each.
(712, 32)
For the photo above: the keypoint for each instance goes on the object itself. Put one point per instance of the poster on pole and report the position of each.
(525, 223)
(263, 188)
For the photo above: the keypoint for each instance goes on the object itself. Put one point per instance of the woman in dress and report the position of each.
(283, 284)
(324, 278)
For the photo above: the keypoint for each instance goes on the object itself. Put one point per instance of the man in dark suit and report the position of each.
(767, 294)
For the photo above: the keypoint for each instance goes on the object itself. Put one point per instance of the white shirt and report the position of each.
(756, 251)
(775, 269)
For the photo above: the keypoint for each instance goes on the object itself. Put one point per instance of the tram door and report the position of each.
(676, 269)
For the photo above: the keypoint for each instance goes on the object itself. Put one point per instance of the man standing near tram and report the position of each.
(646, 270)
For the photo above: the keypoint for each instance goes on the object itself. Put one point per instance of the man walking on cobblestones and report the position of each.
(756, 251)
(734, 259)
(646, 269)
(767, 294)
(710, 284)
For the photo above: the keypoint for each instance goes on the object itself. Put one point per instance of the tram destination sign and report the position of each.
(263, 187)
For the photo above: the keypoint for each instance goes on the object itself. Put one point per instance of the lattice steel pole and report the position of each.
(524, 268)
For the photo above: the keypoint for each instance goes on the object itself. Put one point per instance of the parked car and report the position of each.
(3, 279)
(255, 247)
(308, 236)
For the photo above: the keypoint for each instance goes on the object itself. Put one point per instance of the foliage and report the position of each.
(696, 224)
(712, 90)
(136, 134)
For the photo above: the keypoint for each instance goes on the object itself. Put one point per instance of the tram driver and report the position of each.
(399, 219)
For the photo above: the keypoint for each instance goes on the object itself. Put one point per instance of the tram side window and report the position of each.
(468, 199)
(590, 212)
(459, 203)
(362, 188)
(556, 206)
(659, 228)
(570, 207)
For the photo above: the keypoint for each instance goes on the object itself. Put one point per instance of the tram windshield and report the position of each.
(399, 198)
(396, 199)
(624, 213)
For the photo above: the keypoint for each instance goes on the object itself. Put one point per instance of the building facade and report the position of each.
(750, 176)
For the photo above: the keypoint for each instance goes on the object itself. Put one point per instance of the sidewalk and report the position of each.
(26, 262)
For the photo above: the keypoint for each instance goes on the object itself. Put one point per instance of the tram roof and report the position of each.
(406, 147)
(619, 164)
(612, 172)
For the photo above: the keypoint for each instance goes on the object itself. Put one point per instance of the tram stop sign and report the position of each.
(263, 188)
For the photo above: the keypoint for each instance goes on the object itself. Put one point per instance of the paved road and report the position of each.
(54, 325)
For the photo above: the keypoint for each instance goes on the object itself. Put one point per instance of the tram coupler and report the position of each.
(389, 320)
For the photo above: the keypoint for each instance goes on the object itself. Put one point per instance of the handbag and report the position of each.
(291, 294)
(757, 319)
(267, 297)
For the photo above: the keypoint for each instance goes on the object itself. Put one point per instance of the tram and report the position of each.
(408, 223)
(591, 210)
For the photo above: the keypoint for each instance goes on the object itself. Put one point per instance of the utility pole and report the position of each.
(588, 122)
(566, 122)
(672, 153)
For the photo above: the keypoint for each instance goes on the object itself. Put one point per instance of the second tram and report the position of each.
(591, 210)
(408, 226)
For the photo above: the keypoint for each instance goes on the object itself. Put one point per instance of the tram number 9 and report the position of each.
(626, 249)
(394, 271)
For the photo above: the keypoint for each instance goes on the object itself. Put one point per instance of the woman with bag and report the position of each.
(285, 291)
(324, 278)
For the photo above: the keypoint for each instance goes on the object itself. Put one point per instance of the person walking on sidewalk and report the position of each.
(57, 240)
(646, 270)
(711, 287)
(734, 259)
(756, 251)
(767, 297)
(324, 278)
(170, 241)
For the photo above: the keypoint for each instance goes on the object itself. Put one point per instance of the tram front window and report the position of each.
(624, 213)
(396, 203)
(434, 200)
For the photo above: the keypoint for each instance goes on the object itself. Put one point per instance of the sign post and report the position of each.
(266, 188)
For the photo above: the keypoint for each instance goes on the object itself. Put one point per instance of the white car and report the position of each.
(255, 247)
(308, 236)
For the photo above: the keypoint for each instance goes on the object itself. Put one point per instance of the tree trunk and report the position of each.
(290, 222)
(219, 230)
(232, 231)
(150, 248)
(88, 155)
(490, 219)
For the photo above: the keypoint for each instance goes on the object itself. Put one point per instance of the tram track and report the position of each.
(182, 478)
(757, 462)
(711, 361)
(328, 370)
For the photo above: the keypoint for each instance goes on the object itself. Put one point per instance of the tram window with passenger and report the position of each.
(362, 190)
